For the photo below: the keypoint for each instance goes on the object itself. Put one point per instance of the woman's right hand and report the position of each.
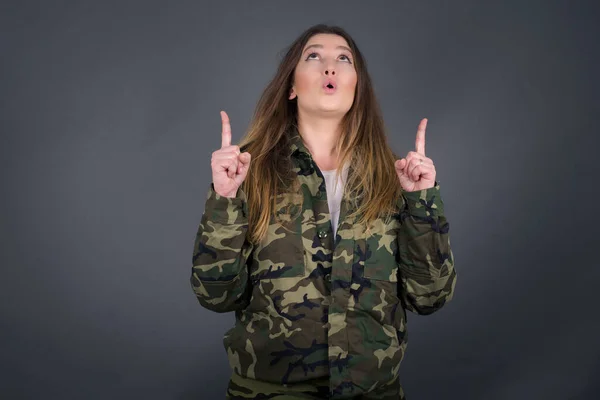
(229, 167)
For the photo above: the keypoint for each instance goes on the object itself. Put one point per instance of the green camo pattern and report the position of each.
(244, 388)
(309, 306)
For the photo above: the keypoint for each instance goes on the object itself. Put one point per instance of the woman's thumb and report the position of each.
(243, 167)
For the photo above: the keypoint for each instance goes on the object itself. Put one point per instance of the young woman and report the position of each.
(317, 237)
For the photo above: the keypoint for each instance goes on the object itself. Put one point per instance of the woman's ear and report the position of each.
(292, 93)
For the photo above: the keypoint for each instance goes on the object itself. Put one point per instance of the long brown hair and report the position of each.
(372, 187)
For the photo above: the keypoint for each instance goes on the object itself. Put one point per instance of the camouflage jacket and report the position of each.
(308, 305)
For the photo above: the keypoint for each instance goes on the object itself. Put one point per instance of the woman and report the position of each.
(317, 238)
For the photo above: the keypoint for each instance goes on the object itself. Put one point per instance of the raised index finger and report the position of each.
(420, 140)
(226, 130)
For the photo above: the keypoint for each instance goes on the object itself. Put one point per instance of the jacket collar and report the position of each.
(297, 145)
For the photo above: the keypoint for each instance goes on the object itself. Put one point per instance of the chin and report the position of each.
(334, 108)
(326, 108)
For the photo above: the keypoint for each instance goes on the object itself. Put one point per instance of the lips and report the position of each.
(329, 84)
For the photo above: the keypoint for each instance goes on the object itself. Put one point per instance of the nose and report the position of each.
(329, 71)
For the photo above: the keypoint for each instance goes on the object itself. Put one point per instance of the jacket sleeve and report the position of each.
(219, 275)
(426, 263)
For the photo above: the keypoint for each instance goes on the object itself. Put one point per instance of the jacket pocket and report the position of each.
(281, 253)
(380, 261)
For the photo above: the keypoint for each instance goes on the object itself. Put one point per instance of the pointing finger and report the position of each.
(420, 140)
(226, 131)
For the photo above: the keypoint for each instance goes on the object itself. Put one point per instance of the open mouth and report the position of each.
(329, 86)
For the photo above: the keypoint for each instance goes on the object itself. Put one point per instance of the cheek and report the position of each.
(349, 79)
(350, 84)
(305, 78)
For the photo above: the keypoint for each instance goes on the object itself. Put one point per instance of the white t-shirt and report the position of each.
(334, 194)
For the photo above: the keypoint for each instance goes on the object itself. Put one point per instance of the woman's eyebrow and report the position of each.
(320, 46)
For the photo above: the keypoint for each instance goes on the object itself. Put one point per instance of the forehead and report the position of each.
(327, 40)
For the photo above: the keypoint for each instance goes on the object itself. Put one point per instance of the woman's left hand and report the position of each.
(416, 171)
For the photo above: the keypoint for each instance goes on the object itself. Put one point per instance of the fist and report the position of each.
(416, 171)
(229, 167)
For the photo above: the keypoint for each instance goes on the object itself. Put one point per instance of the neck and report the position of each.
(320, 135)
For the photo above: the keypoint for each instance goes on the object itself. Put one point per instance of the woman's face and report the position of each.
(326, 59)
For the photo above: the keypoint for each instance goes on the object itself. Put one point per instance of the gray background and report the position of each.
(109, 112)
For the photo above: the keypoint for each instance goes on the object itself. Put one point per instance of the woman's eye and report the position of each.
(315, 56)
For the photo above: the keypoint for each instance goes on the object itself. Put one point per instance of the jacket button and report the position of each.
(322, 234)
(328, 277)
